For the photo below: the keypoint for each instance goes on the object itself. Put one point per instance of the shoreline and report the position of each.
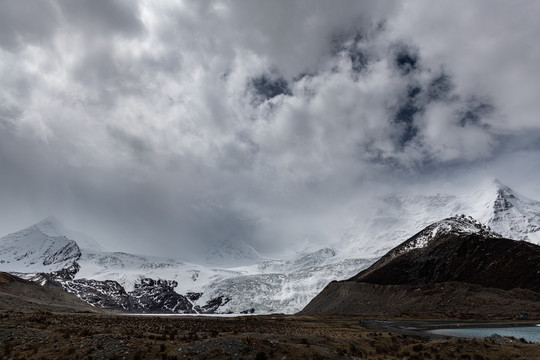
(423, 327)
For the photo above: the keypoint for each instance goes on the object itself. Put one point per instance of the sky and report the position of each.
(167, 127)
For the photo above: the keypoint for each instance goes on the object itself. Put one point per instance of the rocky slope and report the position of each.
(456, 267)
(17, 294)
(458, 249)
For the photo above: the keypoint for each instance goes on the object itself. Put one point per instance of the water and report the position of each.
(529, 333)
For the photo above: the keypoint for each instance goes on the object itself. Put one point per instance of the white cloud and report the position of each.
(490, 47)
(135, 113)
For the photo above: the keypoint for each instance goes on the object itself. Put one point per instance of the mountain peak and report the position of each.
(514, 215)
(38, 248)
(461, 260)
(499, 184)
(51, 226)
(442, 247)
(501, 192)
(50, 219)
(457, 225)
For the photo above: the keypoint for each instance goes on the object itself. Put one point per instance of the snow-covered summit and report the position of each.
(31, 250)
(457, 225)
(514, 215)
(51, 226)
(390, 219)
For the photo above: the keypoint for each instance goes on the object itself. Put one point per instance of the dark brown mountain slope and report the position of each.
(22, 295)
(491, 262)
(454, 268)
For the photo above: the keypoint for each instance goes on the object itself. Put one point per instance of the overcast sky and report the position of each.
(167, 126)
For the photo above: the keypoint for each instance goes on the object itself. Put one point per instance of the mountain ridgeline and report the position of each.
(459, 252)
(455, 268)
(458, 249)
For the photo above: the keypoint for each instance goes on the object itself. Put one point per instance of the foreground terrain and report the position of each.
(46, 335)
(47, 323)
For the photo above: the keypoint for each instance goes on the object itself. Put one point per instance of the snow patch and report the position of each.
(459, 225)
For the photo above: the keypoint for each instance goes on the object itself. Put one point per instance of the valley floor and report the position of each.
(46, 335)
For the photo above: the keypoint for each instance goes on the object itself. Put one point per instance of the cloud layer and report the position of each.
(184, 124)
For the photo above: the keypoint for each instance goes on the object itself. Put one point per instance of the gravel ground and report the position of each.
(48, 335)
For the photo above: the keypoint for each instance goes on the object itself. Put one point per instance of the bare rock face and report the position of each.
(479, 264)
(106, 294)
(148, 296)
(159, 295)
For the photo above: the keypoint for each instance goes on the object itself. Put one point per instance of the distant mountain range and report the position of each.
(53, 255)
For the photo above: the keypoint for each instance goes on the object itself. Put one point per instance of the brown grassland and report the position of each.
(49, 335)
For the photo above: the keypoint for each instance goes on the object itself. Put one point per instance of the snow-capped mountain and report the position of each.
(455, 249)
(515, 216)
(32, 250)
(454, 268)
(47, 254)
(51, 226)
(396, 217)
(269, 286)
(459, 225)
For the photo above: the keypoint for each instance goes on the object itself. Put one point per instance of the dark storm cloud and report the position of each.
(104, 17)
(474, 111)
(406, 58)
(353, 47)
(404, 117)
(190, 123)
(7, 114)
(269, 86)
(359, 59)
(440, 87)
(31, 22)
(140, 149)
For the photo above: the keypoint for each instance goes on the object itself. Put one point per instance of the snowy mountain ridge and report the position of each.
(149, 283)
(51, 226)
(30, 250)
(515, 215)
(396, 217)
(458, 225)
